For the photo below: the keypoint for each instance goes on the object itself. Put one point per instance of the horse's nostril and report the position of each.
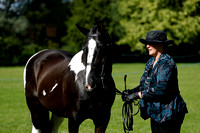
(88, 87)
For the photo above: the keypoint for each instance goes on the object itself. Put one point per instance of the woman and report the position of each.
(158, 91)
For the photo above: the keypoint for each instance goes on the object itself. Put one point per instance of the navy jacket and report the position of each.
(161, 98)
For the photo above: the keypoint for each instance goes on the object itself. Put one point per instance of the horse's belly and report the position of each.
(54, 97)
(51, 98)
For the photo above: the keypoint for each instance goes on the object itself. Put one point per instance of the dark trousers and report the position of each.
(170, 126)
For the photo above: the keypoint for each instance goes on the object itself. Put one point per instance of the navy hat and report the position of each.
(156, 36)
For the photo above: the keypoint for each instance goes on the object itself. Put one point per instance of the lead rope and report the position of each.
(127, 115)
(103, 73)
(127, 111)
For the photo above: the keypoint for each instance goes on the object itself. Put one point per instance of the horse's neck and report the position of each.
(76, 63)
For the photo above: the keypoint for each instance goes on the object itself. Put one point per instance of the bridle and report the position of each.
(103, 73)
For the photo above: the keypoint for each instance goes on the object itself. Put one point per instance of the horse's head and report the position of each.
(96, 57)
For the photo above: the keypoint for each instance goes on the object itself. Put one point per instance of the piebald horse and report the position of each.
(76, 87)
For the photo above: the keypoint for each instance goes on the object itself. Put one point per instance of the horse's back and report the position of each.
(45, 66)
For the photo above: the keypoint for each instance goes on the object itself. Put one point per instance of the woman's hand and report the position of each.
(130, 97)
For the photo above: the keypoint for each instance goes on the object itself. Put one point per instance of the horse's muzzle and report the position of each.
(90, 87)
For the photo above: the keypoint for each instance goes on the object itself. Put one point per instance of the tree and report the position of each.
(28, 26)
(46, 25)
(86, 13)
(179, 18)
(12, 29)
(46, 22)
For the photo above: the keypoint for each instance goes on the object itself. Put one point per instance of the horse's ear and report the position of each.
(100, 25)
(82, 30)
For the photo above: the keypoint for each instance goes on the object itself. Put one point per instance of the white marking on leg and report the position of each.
(24, 75)
(56, 122)
(34, 130)
(54, 87)
(44, 93)
(91, 47)
(76, 64)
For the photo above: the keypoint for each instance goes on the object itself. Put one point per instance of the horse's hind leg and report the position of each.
(39, 116)
(56, 122)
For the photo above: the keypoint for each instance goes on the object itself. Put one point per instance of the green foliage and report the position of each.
(85, 13)
(12, 28)
(46, 20)
(179, 18)
(35, 25)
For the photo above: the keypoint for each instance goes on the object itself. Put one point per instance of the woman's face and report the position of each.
(154, 49)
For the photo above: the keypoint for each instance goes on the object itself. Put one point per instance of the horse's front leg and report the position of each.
(101, 123)
(73, 125)
(100, 129)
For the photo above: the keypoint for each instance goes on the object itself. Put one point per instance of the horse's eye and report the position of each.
(83, 48)
(94, 66)
(98, 46)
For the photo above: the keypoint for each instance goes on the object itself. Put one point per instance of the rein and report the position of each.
(127, 111)
(103, 73)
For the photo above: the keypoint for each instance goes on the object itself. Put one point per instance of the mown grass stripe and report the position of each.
(116, 74)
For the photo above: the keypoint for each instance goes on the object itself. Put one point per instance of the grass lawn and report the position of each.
(15, 116)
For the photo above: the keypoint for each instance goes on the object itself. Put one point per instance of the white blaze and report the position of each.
(91, 47)
(76, 64)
